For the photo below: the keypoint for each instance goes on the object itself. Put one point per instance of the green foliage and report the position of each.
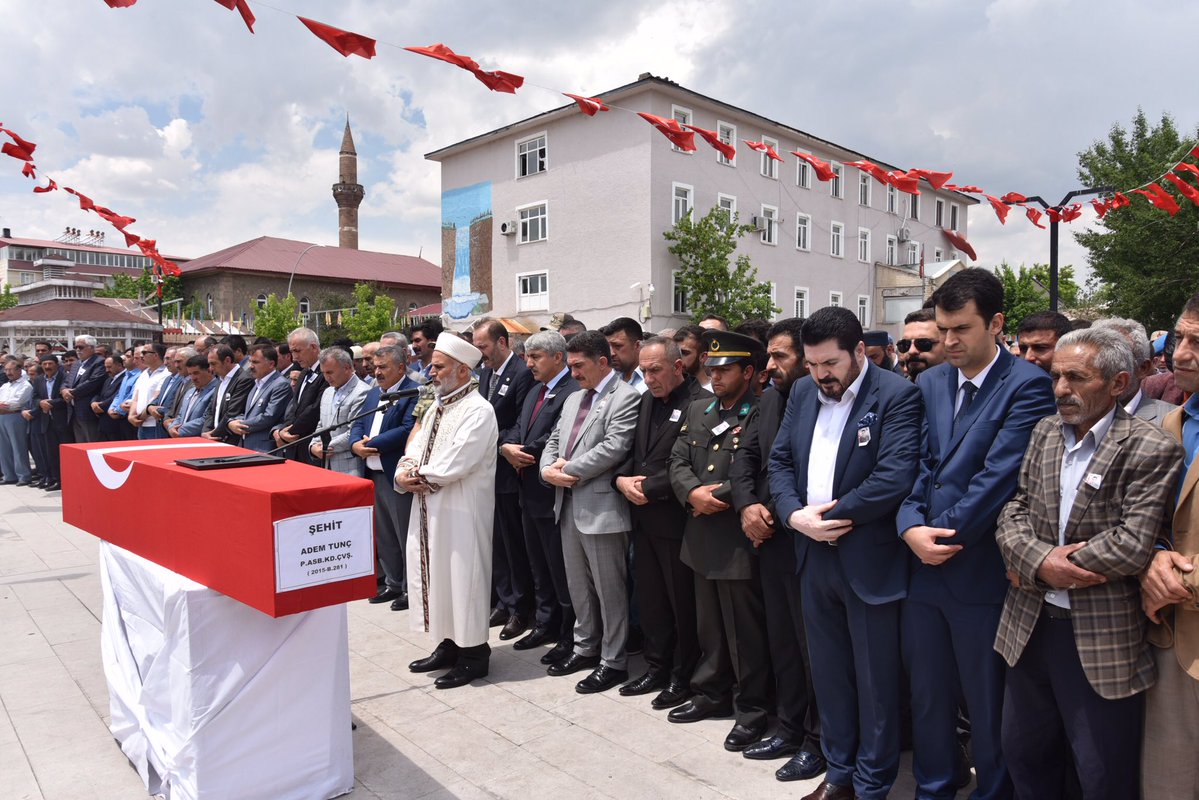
(1146, 257)
(1026, 291)
(142, 287)
(7, 298)
(372, 314)
(712, 284)
(277, 318)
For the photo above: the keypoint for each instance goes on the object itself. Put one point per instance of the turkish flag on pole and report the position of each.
(1188, 191)
(1002, 209)
(823, 171)
(588, 105)
(960, 243)
(1159, 197)
(344, 42)
(713, 138)
(672, 130)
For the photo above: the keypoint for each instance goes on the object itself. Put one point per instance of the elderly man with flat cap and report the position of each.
(449, 465)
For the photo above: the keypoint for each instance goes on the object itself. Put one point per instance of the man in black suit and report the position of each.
(108, 428)
(665, 586)
(232, 392)
(50, 421)
(304, 412)
(504, 381)
(553, 614)
(798, 734)
(88, 380)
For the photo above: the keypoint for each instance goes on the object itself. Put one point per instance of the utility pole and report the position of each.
(1053, 236)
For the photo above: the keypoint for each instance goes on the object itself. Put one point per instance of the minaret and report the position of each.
(348, 193)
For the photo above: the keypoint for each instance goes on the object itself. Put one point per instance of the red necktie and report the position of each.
(584, 408)
(540, 403)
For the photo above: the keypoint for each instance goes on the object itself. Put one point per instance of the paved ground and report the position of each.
(520, 734)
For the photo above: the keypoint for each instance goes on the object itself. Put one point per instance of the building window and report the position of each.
(892, 250)
(938, 254)
(304, 306)
(679, 305)
(939, 213)
(836, 188)
(208, 305)
(864, 245)
(803, 174)
(682, 203)
(531, 156)
(864, 310)
(892, 200)
(864, 180)
(774, 299)
(914, 206)
(261, 301)
(836, 243)
(769, 224)
(534, 223)
(533, 291)
(770, 167)
(801, 303)
(953, 217)
(728, 134)
(683, 115)
(834, 299)
(728, 204)
(803, 232)
(913, 253)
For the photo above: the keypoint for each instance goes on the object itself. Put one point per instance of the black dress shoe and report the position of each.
(557, 653)
(22, 483)
(649, 682)
(675, 694)
(803, 766)
(831, 791)
(460, 675)
(442, 658)
(514, 627)
(742, 736)
(53, 486)
(498, 617)
(536, 637)
(774, 747)
(37, 483)
(386, 596)
(601, 680)
(400, 603)
(700, 708)
(573, 663)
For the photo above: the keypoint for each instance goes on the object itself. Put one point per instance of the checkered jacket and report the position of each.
(1138, 467)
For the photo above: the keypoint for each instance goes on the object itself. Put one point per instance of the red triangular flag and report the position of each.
(1002, 209)
(960, 243)
(908, 182)
(1101, 207)
(1188, 191)
(822, 169)
(496, 81)
(936, 179)
(762, 147)
(131, 238)
(1014, 197)
(1033, 215)
(49, 188)
(588, 105)
(672, 130)
(1159, 197)
(713, 138)
(344, 42)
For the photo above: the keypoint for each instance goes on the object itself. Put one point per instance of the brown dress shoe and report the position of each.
(830, 791)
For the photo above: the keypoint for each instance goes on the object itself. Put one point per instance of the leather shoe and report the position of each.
(649, 682)
(803, 766)
(700, 708)
(774, 747)
(442, 658)
(573, 663)
(535, 638)
(386, 596)
(601, 680)
(675, 694)
(460, 675)
(514, 627)
(53, 486)
(400, 603)
(830, 791)
(498, 617)
(558, 652)
(742, 736)
(22, 483)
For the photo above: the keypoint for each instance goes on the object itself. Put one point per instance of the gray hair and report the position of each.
(187, 351)
(337, 354)
(88, 341)
(1113, 354)
(398, 340)
(394, 353)
(305, 337)
(1133, 331)
(548, 342)
(669, 345)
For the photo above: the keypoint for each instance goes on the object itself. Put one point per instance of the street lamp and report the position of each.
(295, 265)
(1053, 223)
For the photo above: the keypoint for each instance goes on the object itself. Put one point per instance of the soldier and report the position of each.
(728, 597)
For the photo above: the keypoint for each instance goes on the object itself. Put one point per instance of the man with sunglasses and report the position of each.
(920, 348)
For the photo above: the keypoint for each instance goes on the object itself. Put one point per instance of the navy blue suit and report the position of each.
(952, 613)
(90, 377)
(851, 591)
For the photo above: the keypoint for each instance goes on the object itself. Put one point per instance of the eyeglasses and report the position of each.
(923, 345)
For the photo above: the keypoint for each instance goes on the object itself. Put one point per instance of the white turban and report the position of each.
(457, 348)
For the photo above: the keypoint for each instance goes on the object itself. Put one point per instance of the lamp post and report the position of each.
(1053, 233)
(295, 265)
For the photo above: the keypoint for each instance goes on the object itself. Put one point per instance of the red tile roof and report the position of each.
(128, 251)
(279, 256)
(79, 312)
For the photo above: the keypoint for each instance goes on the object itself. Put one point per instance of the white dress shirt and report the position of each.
(826, 439)
(977, 380)
(375, 462)
(145, 389)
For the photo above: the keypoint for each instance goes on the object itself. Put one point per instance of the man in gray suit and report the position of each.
(591, 440)
(267, 401)
(1135, 401)
(193, 407)
(341, 401)
(230, 396)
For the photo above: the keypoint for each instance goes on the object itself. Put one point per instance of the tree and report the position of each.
(1026, 291)
(142, 287)
(372, 315)
(707, 279)
(7, 298)
(277, 318)
(1144, 255)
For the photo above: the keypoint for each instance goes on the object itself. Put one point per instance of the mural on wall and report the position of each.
(466, 250)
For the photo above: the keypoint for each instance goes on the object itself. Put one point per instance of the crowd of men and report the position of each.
(973, 546)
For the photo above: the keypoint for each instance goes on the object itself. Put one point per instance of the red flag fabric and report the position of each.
(29, 170)
(1188, 191)
(1119, 200)
(16, 151)
(822, 169)
(762, 147)
(904, 181)
(959, 241)
(1033, 215)
(240, 6)
(120, 3)
(1188, 167)
(116, 220)
(971, 188)
(1002, 209)
(1053, 214)
(1101, 207)
(1071, 212)
(1159, 197)
(1014, 197)
(870, 168)
(588, 105)
(85, 202)
(24, 144)
(936, 179)
(1195, 151)
(344, 42)
(497, 81)
(672, 130)
(131, 238)
(48, 188)
(729, 151)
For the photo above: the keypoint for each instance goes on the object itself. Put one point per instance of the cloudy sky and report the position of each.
(172, 112)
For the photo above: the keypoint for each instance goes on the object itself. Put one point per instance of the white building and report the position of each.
(565, 212)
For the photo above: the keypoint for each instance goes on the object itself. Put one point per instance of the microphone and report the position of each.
(419, 391)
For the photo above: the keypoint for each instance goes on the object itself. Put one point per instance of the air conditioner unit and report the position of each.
(905, 234)
(507, 228)
(758, 223)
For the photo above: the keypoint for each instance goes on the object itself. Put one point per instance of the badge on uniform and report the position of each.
(863, 437)
(1093, 480)
(676, 415)
(503, 390)
(721, 428)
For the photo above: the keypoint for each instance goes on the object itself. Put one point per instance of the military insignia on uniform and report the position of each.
(868, 420)
(684, 428)
(863, 437)
(743, 410)
(737, 430)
